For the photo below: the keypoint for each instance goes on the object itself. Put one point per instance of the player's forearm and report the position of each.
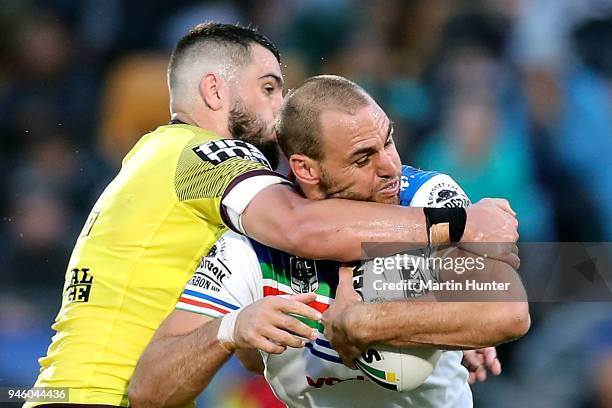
(173, 371)
(443, 325)
(340, 228)
(330, 229)
(460, 319)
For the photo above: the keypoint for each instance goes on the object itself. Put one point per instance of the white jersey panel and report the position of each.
(227, 279)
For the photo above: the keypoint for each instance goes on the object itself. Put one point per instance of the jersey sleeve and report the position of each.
(441, 191)
(218, 179)
(421, 188)
(226, 279)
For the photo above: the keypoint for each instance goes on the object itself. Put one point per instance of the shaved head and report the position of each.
(299, 129)
(222, 49)
(339, 142)
(227, 79)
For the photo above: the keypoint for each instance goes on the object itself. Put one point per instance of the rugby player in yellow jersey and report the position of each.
(179, 189)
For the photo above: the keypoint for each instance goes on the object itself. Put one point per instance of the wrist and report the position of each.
(358, 326)
(445, 225)
(469, 233)
(227, 330)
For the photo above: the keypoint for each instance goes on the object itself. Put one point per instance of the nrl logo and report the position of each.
(303, 275)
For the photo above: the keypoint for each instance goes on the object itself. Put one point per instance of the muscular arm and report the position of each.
(444, 325)
(456, 319)
(185, 353)
(448, 325)
(352, 326)
(336, 229)
(328, 229)
(179, 362)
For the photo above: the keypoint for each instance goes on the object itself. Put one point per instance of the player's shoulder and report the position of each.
(186, 132)
(230, 260)
(223, 281)
(209, 166)
(413, 178)
(213, 149)
(430, 188)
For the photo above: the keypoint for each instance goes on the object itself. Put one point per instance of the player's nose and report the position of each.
(388, 165)
(277, 103)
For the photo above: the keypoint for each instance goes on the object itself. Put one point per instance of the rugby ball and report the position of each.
(398, 369)
(404, 369)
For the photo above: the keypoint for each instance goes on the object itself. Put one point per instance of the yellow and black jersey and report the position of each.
(177, 190)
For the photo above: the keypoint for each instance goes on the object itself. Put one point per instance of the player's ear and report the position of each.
(210, 90)
(305, 169)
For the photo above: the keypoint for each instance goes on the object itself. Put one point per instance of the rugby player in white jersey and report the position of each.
(340, 144)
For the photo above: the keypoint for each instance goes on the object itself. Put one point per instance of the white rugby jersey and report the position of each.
(239, 271)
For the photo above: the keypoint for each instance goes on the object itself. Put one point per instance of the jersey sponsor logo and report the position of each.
(303, 275)
(210, 273)
(79, 288)
(218, 151)
(331, 381)
(447, 195)
(218, 250)
(200, 280)
(216, 267)
(213, 251)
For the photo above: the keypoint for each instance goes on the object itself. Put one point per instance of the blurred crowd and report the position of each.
(513, 98)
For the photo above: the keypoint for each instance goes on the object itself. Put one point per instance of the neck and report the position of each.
(204, 123)
(311, 192)
(183, 118)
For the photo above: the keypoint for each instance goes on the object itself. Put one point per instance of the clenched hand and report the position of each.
(339, 320)
(492, 228)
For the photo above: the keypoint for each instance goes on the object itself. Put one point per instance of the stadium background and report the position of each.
(513, 98)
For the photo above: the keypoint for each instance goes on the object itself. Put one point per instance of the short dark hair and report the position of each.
(298, 128)
(225, 35)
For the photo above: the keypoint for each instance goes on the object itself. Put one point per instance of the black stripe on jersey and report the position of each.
(237, 180)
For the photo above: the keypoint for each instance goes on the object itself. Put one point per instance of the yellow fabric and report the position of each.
(140, 245)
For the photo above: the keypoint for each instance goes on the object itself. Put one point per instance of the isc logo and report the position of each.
(218, 151)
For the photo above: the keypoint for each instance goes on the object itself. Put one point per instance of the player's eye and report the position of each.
(269, 89)
(363, 161)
